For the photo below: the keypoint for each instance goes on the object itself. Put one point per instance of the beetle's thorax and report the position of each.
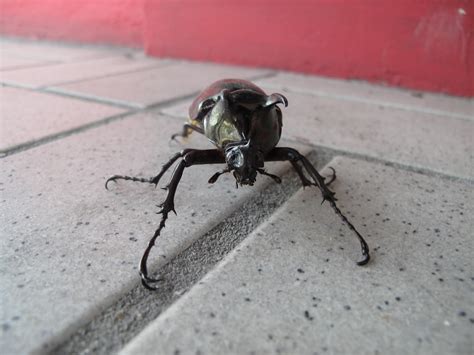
(221, 124)
(242, 121)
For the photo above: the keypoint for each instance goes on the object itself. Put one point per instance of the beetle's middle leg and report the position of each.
(192, 157)
(292, 155)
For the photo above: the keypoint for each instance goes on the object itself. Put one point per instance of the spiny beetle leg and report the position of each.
(305, 180)
(299, 171)
(281, 154)
(277, 179)
(125, 177)
(187, 130)
(167, 207)
(329, 196)
(191, 157)
(333, 177)
(153, 180)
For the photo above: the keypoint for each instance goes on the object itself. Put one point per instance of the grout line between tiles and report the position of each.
(56, 86)
(163, 64)
(91, 98)
(53, 137)
(386, 162)
(373, 102)
(133, 107)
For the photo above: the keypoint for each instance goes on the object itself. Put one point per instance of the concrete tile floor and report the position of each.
(69, 248)
(293, 286)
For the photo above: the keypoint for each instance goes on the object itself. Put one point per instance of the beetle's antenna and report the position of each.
(277, 179)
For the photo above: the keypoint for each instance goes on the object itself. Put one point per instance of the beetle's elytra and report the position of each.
(244, 124)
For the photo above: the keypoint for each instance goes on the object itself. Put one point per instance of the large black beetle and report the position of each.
(245, 125)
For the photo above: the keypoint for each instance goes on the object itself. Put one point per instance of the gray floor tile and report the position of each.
(55, 51)
(69, 247)
(12, 62)
(292, 287)
(27, 116)
(78, 70)
(156, 85)
(358, 91)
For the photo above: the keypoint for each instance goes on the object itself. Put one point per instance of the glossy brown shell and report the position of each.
(216, 88)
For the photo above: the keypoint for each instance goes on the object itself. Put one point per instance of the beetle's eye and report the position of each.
(236, 159)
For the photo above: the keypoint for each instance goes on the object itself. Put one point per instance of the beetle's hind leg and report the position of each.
(187, 130)
(153, 180)
(281, 154)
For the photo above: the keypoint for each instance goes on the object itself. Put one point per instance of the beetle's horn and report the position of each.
(276, 98)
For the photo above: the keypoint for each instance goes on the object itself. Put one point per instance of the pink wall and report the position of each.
(96, 21)
(426, 44)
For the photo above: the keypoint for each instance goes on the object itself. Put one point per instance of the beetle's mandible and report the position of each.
(245, 126)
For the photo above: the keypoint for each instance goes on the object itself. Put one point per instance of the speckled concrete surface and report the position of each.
(52, 52)
(69, 249)
(292, 287)
(28, 116)
(62, 229)
(60, 73)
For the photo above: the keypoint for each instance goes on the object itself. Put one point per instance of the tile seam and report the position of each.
(133, 109)
(387, 162)
(131, 71)
(386, 104)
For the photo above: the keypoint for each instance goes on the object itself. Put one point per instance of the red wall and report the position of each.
(418, 44)
(425, 44)
(96, 21)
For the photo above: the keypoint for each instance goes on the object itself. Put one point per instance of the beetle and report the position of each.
(244, 124)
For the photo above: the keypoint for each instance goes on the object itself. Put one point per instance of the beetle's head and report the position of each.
(244, 160)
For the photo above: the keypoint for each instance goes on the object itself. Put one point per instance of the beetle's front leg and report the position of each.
(166, 207)
(155, 179)
(292, 155)
(192, 157)
(305, 180)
